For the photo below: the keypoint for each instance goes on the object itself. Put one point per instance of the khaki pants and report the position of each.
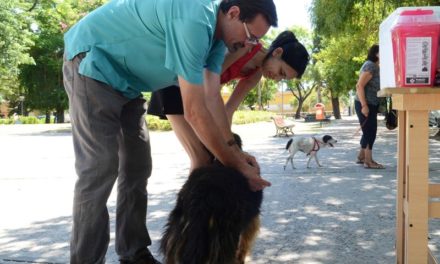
(111, 141)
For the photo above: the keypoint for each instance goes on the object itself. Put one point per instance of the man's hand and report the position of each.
(258, 184)
(251, 160)
(252, 173)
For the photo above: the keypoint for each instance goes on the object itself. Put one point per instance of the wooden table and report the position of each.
(414, 207)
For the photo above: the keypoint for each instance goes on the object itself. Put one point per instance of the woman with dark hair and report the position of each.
(366, 104)
(286, 58)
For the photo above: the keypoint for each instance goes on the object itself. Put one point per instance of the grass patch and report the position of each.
(247, 117)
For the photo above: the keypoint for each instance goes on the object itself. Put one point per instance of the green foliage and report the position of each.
(155, 123)
(29, 120)
(339, 61)
(15, 41)
(6, 121)
(267, 90)
(20, 120)
(311, 79)
(240, 117)
(147, 96)
(42, 82)
(331, 18)
(345, 30)
(246, 117)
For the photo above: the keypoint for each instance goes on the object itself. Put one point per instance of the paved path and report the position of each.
(341, 213)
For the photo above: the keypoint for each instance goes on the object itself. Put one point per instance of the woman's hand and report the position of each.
(365, 110)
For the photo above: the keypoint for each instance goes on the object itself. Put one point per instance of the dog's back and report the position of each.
(213, 208)
(300, 143)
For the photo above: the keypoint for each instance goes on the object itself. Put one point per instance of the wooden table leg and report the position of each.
(416, 217)
(401, 180)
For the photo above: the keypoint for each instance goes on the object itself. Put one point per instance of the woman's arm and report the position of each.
(240, 91)
(364, 78)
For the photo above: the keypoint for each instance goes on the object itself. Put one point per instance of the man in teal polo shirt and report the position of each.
(112, 55)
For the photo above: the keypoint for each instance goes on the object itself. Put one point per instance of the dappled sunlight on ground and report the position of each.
(340, 213)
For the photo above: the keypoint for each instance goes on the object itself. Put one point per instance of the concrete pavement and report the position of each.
(340, 213)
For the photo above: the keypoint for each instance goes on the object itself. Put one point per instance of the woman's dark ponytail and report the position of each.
(294, 53)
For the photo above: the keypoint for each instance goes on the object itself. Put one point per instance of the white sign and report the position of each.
(418, 60)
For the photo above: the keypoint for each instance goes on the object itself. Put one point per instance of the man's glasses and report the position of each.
(250, 39)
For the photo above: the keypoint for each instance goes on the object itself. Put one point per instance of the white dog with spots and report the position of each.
(308, 145)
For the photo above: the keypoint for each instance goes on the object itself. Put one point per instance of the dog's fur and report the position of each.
(215, 220)
(308, 145)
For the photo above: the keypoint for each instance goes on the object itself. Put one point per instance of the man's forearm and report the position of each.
(215, 104)
(207, 129)
(211, 136)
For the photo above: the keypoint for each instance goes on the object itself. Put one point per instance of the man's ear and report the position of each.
(233, 12)
(277, 52)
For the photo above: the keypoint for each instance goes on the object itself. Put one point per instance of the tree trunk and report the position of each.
(335, 105)
(59, 116)
(260, 104)
(47, 119)
(318, 94)
(298, 110)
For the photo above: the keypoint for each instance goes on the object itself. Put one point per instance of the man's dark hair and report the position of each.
(372, 53)
(249, 9)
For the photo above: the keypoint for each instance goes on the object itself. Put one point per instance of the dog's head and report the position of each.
(329, 140)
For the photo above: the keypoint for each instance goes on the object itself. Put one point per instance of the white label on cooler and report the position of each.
(418, 60)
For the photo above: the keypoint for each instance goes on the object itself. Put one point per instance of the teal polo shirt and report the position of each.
(143, 45)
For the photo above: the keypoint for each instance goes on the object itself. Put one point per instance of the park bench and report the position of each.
(282, 127)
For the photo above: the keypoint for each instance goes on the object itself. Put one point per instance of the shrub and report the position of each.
(246, 117)
(21, 120)
(29, 120)
(240, 117)
(155, 123)
(6, 121)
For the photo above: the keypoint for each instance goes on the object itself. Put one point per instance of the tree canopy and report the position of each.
(31, 50)
(344, 31)
(15, 43)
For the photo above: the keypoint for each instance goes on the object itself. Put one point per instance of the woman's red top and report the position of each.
(233, 72)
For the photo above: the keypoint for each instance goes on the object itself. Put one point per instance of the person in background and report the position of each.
(366, 104)
(119, 50)
(286, 58)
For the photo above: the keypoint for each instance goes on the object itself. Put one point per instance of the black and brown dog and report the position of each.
(215, 220)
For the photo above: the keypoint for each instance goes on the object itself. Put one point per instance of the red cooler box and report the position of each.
(415, 39)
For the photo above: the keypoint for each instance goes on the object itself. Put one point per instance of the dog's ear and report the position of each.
(326, 138)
